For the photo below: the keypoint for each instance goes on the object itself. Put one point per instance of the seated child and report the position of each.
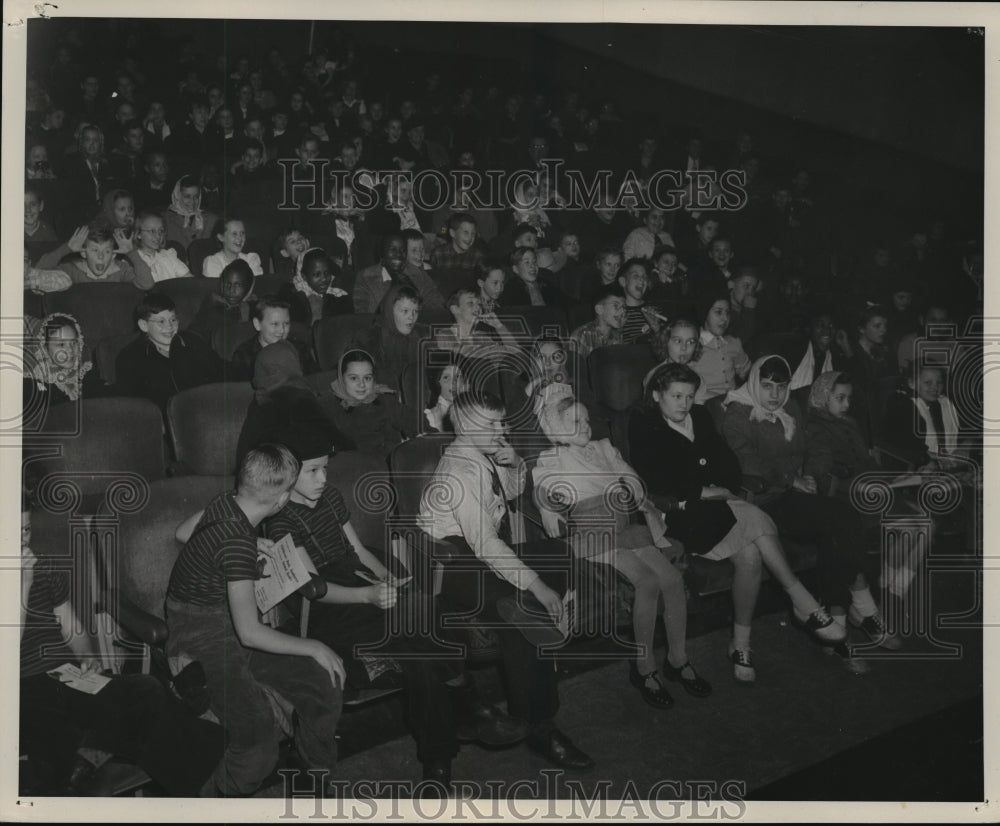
(607, 263)
(117, 215)
(212, 615)
(571, 272)
(315, 292)
(606, 328)
(550, 366)
(369, 414)
(927, 436)
(835, 446)
(573, 480)
(184, 219)
(39, 237)
(722, 359)
(460, 253)
(56, 364)
(163, 361)
(640, 317)
(44, 281)
(526, 287)
(474, 334)
(149, 257)
(480, 471)
(817, 354)
(669, 284)
(714, 275)
(291, 245)
(674, 343)
(642, 241)
(232, 304)
(394, 339)
(272, 321)
(97, 263)
(445, 382)
(232, 234)
(65, 733)
(743, 288)
(766, 431)
(372, 283)
(691, 472)
(492, 279)
(416, 248)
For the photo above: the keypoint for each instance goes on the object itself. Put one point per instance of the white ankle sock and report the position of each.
(804, 602)
(864, 602)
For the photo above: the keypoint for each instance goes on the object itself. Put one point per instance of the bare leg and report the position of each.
(746, 584)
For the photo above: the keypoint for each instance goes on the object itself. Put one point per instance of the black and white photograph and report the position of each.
(451, 411)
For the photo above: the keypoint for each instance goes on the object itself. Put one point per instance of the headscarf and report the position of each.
(394, 348)
(277, 366)
(193, 219)
(300, 283)
(750, 395)
(44, 370)
(348, 401)
(822, 389)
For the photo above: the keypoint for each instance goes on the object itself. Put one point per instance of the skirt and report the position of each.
(751, 524)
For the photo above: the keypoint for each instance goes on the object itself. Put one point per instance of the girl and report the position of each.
(549, 368)
(674, 343)
(574, 478)
(184, 220)
(690, 469)
(232, 235)
(117, 215)
(445, 382)
(57, 365)
(872, 364)
(370, 414)
(722, 359)
(834, 443)
(395, 336)
(765, 430)
(314, 292)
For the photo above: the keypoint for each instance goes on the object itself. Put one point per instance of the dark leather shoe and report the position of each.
(489, 726)
(650, 687)
(559, 750)
(81, 778)
(695, 685)
(437, 780)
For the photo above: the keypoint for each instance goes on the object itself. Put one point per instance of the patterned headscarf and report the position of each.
(65, 373)
(822, 389)
(193, 219)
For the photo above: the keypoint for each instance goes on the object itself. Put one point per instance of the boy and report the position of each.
(152, 190)
(39, 237)
(149, 258)
(415, 250)
(373, 282)
(712, 275)
(461, 253)
(607, 263)
(470, 335)
(640, 318)
(163, 361)
(96, 246)
(695, 253)
(212, 616)
(272, 321)
(481, 472)
(743, 305)
(606, 328)
(291, 245)
(528, 288)
(492, 281)
(668, 284)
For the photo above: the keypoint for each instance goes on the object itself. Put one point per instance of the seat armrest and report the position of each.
(753, 484)
(139, 623)
(314, 589)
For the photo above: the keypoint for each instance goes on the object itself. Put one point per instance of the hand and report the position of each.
(123, 243)
(78, 240)
(806, 484)
(491, 320)
(749, 301)
(842, 341)
(549, 599)
(505, 455)
(264, 545)
(28, 560)
(381, 595)
(651, 317)
(90, 665)
(330, 662)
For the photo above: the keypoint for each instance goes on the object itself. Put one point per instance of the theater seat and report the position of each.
(204, 426)
(331, 336)
(103, 310)
(540, 320)
(106, 354)
(188, 294)
(198, 250)
(616, 374)
(364, 482)
(230, 335)
(102, 438)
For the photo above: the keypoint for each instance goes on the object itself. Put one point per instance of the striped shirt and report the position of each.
(222, 549)
(635, 325)
(42, 644)
(319, 530)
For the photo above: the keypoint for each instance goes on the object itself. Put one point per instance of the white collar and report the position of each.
(385, 275)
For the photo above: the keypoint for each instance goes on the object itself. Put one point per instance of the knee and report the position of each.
(748, 558)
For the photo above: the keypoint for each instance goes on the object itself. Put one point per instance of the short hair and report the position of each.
(412, 235)
(456, 297)
(267, 471)
(152, 303)
(664, 249)
(466, 402)
(672, 373)
(252, 143)
(517, 256)
(705, 217)
(315, 254)
(604, 252)
(745, 271)
(870, 313)
(221, 223)
(100, 234)
(459, 218)
(34, 189)
(146, 214)
(388, 239)
(520, 229)
(198, 101)
(407, 292)
(129, 125)
(635, 261)
(486, 266)
(269, 302)
(775, 368)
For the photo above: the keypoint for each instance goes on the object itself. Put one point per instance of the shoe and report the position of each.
(821, 625)
(557, 748)
(477, 722)
(876, 629)
(538, 629)
(695, 686)
(743, 669)
(855, 665)
(79, 783)
(437, 780)
(650, 687)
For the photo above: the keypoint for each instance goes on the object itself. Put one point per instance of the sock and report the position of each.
(804, 602)
(839, 615)
(741, 636)
(863, 602)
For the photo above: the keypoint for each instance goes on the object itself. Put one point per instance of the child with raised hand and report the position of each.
(289, 248)
(233, 236)
(474, 334)
(765, 430)
(315, 291)
(368, 413)
(272, 321)
(573, 481)
(149, 255)
(213, 618)
(690, 471)
(605, 329)
(640, 318)
(445, 382)
(97, 262)
(642, 241)
(723, 360)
